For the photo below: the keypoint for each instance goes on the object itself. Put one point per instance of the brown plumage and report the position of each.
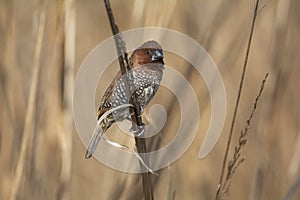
(148, 66)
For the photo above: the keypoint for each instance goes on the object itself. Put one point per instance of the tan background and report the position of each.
(47, 162)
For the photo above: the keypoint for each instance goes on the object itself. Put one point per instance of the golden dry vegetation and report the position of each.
(41, 155)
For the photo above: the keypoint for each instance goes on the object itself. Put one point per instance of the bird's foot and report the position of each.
(139, 131)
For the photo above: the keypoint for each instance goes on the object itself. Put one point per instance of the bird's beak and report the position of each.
(157, 55)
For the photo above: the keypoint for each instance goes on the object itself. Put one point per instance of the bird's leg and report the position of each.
(139, 131)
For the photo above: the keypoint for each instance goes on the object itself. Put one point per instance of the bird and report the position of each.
(147, 72)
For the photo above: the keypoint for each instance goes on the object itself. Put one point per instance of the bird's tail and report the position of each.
(104, 122)
(94, 141)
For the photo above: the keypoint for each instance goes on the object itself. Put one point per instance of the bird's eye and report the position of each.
(148, 52)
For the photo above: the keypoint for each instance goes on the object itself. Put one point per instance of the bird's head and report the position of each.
(149, 52)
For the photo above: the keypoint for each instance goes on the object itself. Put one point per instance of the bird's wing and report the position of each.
(106, 99)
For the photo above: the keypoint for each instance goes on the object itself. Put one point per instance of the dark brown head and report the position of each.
(149, 52)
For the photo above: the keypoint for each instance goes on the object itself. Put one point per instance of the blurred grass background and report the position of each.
(41, 156)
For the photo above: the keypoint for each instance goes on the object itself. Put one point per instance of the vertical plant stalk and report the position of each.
(237, 159)
(238, 98)
(29, 123)
(68, 79)
(136, 117)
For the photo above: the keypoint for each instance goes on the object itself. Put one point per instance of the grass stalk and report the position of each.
(237, 99)
(136, 117)
(29, 123)
(68, 66)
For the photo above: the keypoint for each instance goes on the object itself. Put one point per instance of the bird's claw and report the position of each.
(139, 131)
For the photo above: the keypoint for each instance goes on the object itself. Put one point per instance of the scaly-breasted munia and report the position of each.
(147, 70)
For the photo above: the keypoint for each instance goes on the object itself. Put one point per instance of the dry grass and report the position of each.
(53, 166)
